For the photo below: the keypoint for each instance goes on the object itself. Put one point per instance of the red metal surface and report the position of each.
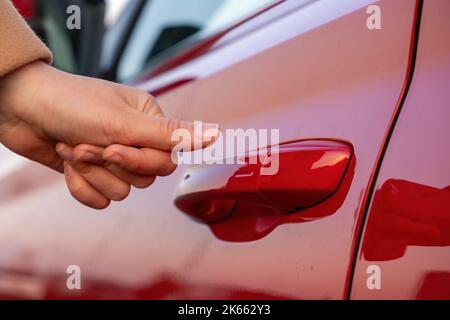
(406, 214)
(25, 7)
(251, 223)
(370, 186)
(317, 72)
(307, 173)
(407, 233)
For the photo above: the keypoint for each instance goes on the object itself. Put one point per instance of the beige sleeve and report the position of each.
(18, 43)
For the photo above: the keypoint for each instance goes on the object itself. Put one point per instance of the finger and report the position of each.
(141, 130)
(99, 177)
(136, 180)
(141, 101)
(64, 151)
(103, 180)
(89, 153)
(148, 104)
(94, 154)
(145, 161)
(82, 191)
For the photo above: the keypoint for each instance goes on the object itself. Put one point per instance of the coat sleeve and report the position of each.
(19, 45)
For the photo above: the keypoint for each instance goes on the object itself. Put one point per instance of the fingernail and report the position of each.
(206, 131)
(64, 151)
(88, 157)
(67, 170)
(114, 158)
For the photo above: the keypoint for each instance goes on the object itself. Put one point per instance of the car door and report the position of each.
(406, 237)
(311, 69)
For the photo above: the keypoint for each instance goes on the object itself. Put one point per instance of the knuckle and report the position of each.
(170, 125)
(150, 101)
(83, 168)
(110, 166)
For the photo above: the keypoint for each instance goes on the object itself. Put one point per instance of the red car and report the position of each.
(372, 221)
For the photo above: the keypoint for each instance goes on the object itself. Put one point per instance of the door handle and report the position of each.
(308, 172)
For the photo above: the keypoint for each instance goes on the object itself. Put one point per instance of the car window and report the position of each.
(165, 23)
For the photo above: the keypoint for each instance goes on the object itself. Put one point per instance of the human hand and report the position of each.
(120, 135)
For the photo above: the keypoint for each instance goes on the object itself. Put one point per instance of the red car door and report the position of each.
(407, 233)
(316, 71)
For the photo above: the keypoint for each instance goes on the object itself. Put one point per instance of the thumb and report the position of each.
(143, 130)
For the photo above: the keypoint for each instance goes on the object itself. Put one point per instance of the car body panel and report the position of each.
(407, 233)
(317, 73)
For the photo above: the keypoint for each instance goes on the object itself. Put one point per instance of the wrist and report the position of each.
(23, 89)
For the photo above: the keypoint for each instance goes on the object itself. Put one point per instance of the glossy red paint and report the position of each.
(26, 8)
(406, 214)
(250, 223)
(434, 286)
(407, 233)
(315, 72)
(298, 175)
(382, 150)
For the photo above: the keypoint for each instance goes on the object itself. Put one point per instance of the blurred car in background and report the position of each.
(148, 33)
(375, 100)
(145, 33)
(76, 51)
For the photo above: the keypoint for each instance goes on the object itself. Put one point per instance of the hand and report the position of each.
(120, 133)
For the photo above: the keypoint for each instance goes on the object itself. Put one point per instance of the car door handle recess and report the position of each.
(308, 173)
